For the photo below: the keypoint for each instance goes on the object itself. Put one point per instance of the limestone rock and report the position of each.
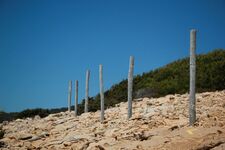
(156, 123)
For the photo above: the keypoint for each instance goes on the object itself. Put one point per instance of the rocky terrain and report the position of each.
(157, 123)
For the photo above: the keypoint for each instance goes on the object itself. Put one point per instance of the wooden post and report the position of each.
(192, 101)
(130, 86)
(76, 97)
(69, 95)
(101, 92)
(87, 90)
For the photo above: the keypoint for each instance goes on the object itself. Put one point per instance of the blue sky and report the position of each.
(45, 43)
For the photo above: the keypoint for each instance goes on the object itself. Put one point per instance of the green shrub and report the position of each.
(1, 134)
(33, 112)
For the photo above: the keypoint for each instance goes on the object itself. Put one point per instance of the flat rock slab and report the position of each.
(156, 123)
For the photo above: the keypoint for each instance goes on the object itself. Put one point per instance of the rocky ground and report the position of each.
(157, 123)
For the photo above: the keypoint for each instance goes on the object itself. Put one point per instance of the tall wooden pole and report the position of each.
(87, 90)
(192, 101)
(69, 95)
(76, 97)
(130, 86)
(101, 92)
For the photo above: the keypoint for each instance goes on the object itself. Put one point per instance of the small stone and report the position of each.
(2, 144)
(67, 144)
(148, 103)
(139, 147)
(18, 120)
(136, 117)
(28, 145)
(171, 97)
(37, 117)
(5, 123)
(138, 99)
(95, 146)
(25, 137)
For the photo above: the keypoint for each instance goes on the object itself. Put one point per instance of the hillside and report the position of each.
(170, 79)
(157, 123)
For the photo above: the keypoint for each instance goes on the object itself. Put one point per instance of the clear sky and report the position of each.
(45, 43)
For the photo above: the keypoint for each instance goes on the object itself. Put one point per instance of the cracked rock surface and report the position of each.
(157, 123)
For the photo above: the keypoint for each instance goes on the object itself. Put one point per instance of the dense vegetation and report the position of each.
(170, 79)
(2, 132)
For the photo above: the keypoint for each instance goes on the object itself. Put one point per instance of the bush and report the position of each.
(145, 92)
(33, 112)
(2, 133)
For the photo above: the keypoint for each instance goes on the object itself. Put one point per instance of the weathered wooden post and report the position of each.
(76, 97)
(69, 95)
(101, 92)
(192, 101)
(130, 86)
(87, 90)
